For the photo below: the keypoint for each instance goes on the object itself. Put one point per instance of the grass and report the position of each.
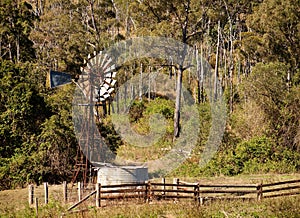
(14, 203)
(284, 207)
(279, 207)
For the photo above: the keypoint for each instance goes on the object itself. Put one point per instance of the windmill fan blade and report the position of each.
(83, 70)
(109, 69)
(111, 82)
(104, 59)
(107, 63)
(110, 75)
(106, 86)
(110, 90)
(90, 65)
(106, 95)
(97, 77)
(93, 61)
(102, 91)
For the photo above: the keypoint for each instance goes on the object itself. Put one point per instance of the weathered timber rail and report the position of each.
(157, 191)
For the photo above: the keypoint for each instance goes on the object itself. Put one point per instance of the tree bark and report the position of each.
(91, 2)
(178, 102)
(217, 65)
(180, 70)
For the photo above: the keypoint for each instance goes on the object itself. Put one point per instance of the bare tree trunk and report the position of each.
(239, 72)
(9, 52)
(178, 102)
(199, 76)
(180, 72)
(141, 83)
(39, 7)
(149, 84)
(175, 76)
(93, 20)
(118, 101)
(18, 48)
(217, 65)
(202, 75)
(231, 66)
(171, 70)
(116, 10)
(231, 69)
(125, 92)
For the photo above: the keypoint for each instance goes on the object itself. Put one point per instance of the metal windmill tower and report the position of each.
(96, 84)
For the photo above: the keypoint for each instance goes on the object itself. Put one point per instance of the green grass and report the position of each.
(279, 207)
(284, 207)
(13, 203)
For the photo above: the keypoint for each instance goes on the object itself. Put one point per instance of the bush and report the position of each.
(258, 155)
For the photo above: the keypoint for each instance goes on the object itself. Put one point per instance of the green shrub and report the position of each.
(258, 155)
(136, 111)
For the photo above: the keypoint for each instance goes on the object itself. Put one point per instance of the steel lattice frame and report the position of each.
(96, 83)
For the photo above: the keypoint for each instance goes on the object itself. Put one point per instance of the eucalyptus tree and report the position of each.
(181, 20)
(195, 23)
(19, 92)
(67, 31)
(275, 34)
(16, 21)
(266, 85)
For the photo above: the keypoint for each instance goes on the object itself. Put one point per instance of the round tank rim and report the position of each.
(104, 165)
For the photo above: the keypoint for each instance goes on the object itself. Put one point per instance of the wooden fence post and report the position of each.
(259, 189)
(65, 191)
(46, 192)
(200, 198)
(30, 194)
(148, 191)
(79, 191)
(196, 193)
(175, 187)
(98, 195)
(36, 207)
(163, 181)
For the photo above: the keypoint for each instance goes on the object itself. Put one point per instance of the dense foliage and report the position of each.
(255, 52)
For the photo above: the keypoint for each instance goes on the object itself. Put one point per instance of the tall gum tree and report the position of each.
(275, 33)
(16, 21)
(181, 20)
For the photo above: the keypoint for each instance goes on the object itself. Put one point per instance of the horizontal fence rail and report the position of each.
(151, 191)
(278, 189)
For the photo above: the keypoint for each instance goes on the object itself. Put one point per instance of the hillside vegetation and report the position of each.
(252, 46)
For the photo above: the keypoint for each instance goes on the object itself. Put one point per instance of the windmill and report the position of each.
(96, 84)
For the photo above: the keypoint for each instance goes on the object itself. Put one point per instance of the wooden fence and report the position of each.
(198, 192)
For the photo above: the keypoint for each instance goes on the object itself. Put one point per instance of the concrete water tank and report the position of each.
(111, 175)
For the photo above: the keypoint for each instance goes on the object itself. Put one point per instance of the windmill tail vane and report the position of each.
(57, 78)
